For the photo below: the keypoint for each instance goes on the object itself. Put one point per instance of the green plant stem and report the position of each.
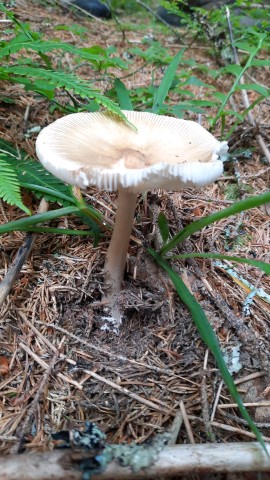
(237, 80)
(243, 116)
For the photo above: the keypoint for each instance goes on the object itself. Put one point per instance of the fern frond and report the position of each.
(44, 47)
(31, 175)
(10, 186)
(67, 81)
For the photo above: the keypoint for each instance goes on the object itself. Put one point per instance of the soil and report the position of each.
(157, 353)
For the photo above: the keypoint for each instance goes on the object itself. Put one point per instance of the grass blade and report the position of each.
(265, 267)
(209, 337)
(58, 231)
(23, 223)
(166, 82)
(196, 226)
(56, 194)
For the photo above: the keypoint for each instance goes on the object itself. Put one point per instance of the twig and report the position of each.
(46, 366)
(205, 404)
(240, 431)
(63, 464)
(260, 173)
(237, 419)
(187, 424)
(216, 401)
(45, 340)
(125, 391)
(247, 378)
(229, 428)
(21, 257)
(263, 403)
(201, 198)
(175, 428)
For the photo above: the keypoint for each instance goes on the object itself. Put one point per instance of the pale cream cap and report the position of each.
(99, 149)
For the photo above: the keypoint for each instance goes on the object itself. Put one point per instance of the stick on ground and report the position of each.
(172, 461)
(21, 257)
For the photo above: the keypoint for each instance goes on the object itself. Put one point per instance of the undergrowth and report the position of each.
(26, 60)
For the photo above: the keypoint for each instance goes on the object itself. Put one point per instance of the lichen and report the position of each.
(137, 456)
(101, 454)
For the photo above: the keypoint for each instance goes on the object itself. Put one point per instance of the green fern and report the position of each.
(43, 47)
(31, 175)
(42, 78)
(27, 39)
(10, 186)
(67, 81)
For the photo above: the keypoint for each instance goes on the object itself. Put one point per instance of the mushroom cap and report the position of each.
(161, 152)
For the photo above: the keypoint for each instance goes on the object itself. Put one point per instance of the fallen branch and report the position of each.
(21, 257)
(174, 460)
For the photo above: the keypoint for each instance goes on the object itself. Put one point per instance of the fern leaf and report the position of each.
(31, 175)
(68, 81)
(9, 185)
(43, 47)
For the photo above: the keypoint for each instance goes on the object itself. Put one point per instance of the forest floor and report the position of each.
(157, 354)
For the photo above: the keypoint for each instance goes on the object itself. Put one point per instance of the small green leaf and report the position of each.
(163, 227)
(123, 95)
(192, 80)
(234, 69)
(260, 63)
(220, 96)
(187, 93)
(255, 87)
(202, 103)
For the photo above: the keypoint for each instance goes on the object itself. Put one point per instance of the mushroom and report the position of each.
(100, 149)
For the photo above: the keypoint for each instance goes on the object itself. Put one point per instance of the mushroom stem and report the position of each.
(117, 252)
